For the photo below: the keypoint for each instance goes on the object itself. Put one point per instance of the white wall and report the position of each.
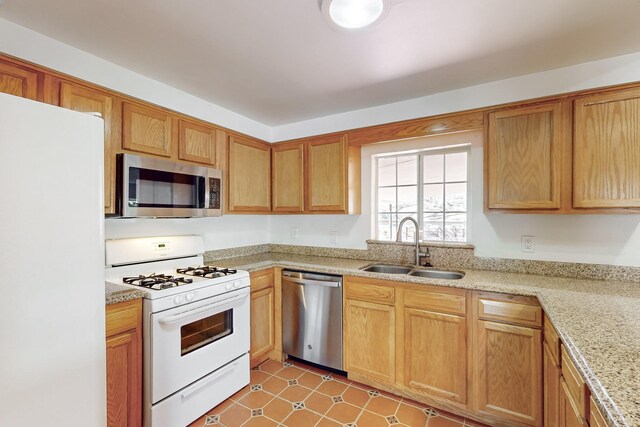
(610, 71)
(223, 232)
(26, 44)
(601, 239)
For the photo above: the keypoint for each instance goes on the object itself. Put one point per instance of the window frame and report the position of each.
(464, 148)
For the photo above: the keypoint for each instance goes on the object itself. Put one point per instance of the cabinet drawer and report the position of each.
(576, 387)
(552, 339)
(510, 312)
(596, 419)
(123, 316)
(436, 301)
(261, 280)
(372, 293)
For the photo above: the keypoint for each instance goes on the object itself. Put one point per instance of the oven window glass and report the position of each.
(159, 189)
(205, 331)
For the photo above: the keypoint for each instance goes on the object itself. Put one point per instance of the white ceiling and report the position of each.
(276, 61)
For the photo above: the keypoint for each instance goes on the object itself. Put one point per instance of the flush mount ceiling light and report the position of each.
(354, 14)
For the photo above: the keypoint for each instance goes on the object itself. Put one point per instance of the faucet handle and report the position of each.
(427, 259)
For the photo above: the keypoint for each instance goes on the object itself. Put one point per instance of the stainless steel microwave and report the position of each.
(155, 188)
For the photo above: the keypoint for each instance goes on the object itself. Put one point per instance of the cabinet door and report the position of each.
(197, 143)
(288, 178)
(436, 354)
(569, 413)
(249, 176)
(146, 130)
(606, 152)
(508, 372)
(551, 388)
(80, 98)
(123, 385)
(369, 340)
(262, 325)
(18, 81)
(327, 175)
(524, 158)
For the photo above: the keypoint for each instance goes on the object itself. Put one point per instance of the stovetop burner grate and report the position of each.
(207, 271)
(157, 281)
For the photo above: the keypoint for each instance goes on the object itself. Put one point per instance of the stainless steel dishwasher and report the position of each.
(312, 317)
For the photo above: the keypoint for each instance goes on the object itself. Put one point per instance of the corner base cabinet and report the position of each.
(262, 315)
(124, 364)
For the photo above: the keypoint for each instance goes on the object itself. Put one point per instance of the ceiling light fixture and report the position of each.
(353, 14)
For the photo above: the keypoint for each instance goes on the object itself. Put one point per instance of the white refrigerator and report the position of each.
(52, 301)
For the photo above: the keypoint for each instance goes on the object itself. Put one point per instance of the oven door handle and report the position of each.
(216, 376)
(195, 311)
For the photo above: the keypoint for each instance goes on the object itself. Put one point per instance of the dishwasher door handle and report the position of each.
(312, 282)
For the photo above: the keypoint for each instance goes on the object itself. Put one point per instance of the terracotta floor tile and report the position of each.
(278, 409)
(256, 399)
(260, 421)
(199, 422)
(241, 393)
(310, 380)
(382, 405)
(290, 373)
(235, 415)
(369, 419)
(258, 377)
(355, 396)
(318, 402)
(301, 418)
(344, 412)
(326, 422)
(295, 393)
(415, 403)
(410, 415)
(450, 416)
(271, 366)
(341, 378)
(332, 388)
(274, 385)
(443, 422)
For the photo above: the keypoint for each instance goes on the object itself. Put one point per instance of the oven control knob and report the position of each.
(228, 286)
(189, 296)
(236, 284)
(177, 300)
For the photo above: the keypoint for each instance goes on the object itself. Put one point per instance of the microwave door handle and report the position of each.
(190, 313)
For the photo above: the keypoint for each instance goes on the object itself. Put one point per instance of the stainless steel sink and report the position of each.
(388, 269)
(437, 274)
(401, 269)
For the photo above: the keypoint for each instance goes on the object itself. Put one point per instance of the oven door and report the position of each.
(192, 340)
(151, 187)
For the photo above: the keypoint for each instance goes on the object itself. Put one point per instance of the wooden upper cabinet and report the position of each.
(146, 130)
(18, 81)
(288, 178)
(333, 176)
(83, 99)
(606, 152)
(524, 153)
(249, 164)
(198, 143)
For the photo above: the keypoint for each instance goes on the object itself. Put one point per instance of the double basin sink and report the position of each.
(410, 271)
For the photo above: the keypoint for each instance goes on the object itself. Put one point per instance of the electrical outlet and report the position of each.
(528, 243)
(293, 233)
(333, 237)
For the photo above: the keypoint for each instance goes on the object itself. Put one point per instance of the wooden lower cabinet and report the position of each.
(435, 354)
(568, 409)
(124, 364)
(551, 388)
(262, 316)
(369, 339)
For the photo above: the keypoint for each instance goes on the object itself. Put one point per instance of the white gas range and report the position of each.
(195, 325)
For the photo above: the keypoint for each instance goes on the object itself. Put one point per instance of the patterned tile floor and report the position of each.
(296, 395)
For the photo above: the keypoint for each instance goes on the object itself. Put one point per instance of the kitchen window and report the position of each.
(430, 186)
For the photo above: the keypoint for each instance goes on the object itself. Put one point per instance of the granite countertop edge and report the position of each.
(115, 294)
(473, 280)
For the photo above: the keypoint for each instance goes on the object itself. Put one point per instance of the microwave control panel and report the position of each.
(215, 193)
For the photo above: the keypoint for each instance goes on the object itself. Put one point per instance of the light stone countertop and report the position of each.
(115, 293)
(599, 321)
